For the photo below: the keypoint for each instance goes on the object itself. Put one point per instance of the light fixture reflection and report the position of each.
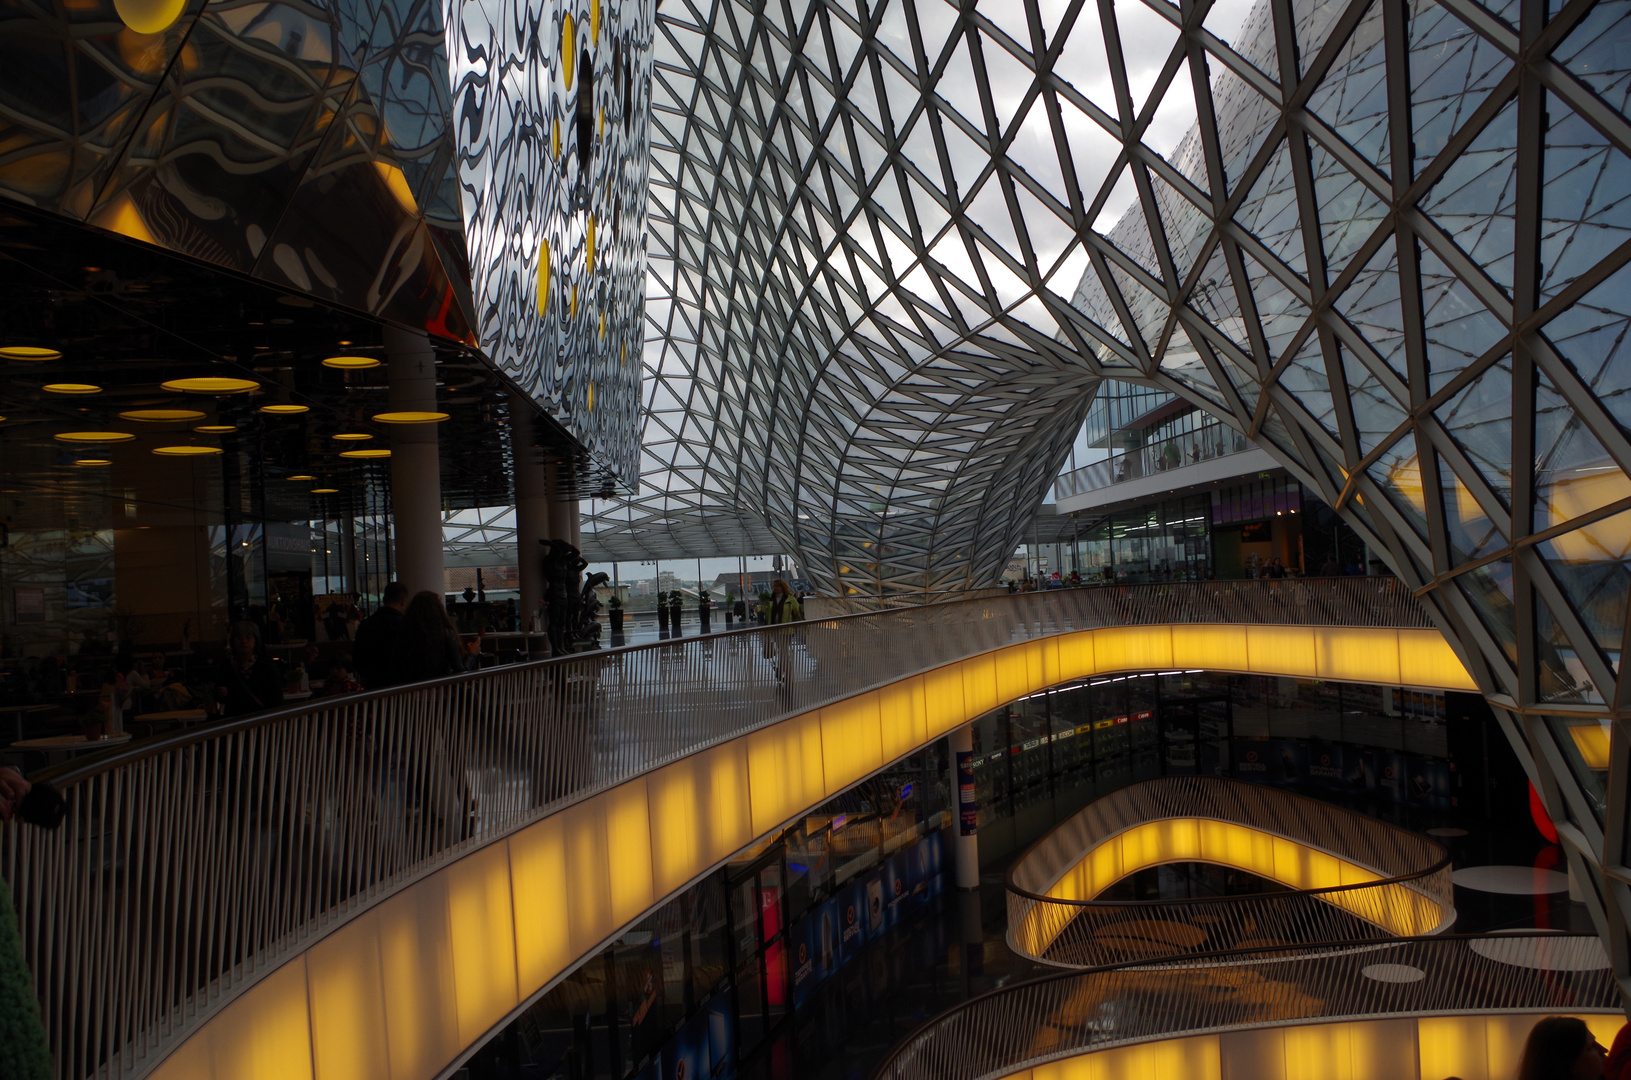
(210, 384)
(351, 436)
(215, 429)
(410, 417)
(373, 453)
(93, 436)
(31, 354)
(186, 451)
(161, 416)
(71, 388)
(284, 410)
(350, 363)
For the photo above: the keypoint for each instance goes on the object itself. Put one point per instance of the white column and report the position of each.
(531, 506)
(416, 472)
(965, 845)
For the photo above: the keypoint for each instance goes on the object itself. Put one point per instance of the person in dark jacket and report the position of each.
(376, 638)
(246, 679)
(427, 647)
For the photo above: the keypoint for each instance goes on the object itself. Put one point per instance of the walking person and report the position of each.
(427, 647)
(781, 609)
(376, 638)
(427, 644)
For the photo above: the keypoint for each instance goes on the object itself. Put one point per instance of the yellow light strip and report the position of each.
(445, 959)
(1397, 1048)
(1396, 908)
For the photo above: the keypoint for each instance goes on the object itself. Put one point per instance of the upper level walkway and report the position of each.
(1342, 875)
(367, 886)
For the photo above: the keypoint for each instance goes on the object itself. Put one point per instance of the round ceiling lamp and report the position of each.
(93, 461)
(284, 410)
(162, 416)
(185, 451)
(301, 476)
(93, 436)
(372, 453)
(211, 384)
(325, 491)
(149, 16)
(350, 363)
(410, 417)
(351, 436)
(215, 429)
(31, 354)
(71, 388)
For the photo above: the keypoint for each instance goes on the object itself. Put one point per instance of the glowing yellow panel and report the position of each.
(1076, 659)
(264, 1035)
(1126, 648)
(1426, 659)
(479, 899)
(543, 940)
(1358, 653)
(1281, 650)
(677, 795)
(729, 803)
(349, 1040)
(902, 712)
(943, 696)
(851, 744)
(588, 883)
(416, 970)
(784, 771)
(1452, 1046)
(980, 685)
(1018, 669)
(1219, 648)
(628, 841)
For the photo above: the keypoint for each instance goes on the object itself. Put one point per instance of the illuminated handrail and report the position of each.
(1349, 876)
(191, 865)
(1058, 1016)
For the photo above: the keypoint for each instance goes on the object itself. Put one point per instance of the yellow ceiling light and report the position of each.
(325, 491)
(93, 436)
(543, 276)
(284, 410)
(185, 451)
(350, 363)
(162, 416)
(302, 476)
(211, 384)
(372, 452)
(215, 429)
(31, 354)
(351, 436)
(410, 417)
(569, 54)
(149, 16)
(94, 461)
(71, 388)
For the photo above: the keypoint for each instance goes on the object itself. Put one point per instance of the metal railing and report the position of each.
(1058, 1016)
(191, 865)
(1411, 893)
(1205, 443)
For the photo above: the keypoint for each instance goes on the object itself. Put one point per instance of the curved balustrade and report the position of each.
(1027, 1025)
(191, 867)
(1349, 876)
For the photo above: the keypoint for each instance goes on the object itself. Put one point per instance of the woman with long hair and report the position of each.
(1561, 1048)
(427, 646)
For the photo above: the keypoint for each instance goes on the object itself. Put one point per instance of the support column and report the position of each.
(532, 522)
(563, 512)
(416, 471)
(965, 844)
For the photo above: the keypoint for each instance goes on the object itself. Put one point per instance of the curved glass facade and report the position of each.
(895, 246)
